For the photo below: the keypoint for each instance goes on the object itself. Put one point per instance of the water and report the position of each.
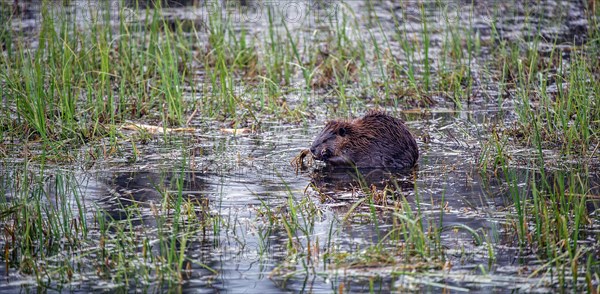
(238, 179)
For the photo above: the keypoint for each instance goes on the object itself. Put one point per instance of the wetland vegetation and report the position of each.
(147, 146)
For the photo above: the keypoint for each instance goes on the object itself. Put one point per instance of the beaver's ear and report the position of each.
(342, 131)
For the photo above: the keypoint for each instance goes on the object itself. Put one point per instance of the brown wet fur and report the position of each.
(376, 140)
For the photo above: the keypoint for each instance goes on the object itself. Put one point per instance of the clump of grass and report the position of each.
(297, 219)
(39, 225)
(335, 70)
(51, 232)
(64, 89)
(412, 240)
(555, 90)
(551, 211)
(557, 114)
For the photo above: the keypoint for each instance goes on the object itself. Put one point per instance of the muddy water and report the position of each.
(236, 176)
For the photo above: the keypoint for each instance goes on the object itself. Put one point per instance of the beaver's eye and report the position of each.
(342, 132)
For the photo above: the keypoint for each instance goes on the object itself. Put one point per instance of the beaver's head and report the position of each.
(329, 144)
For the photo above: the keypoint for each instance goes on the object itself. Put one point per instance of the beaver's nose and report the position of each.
(325, 154)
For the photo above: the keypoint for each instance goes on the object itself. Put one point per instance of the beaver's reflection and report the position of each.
(334, 179)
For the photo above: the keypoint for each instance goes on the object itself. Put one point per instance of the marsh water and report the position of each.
(240, 177)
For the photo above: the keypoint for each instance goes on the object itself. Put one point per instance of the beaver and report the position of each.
(377, 140)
